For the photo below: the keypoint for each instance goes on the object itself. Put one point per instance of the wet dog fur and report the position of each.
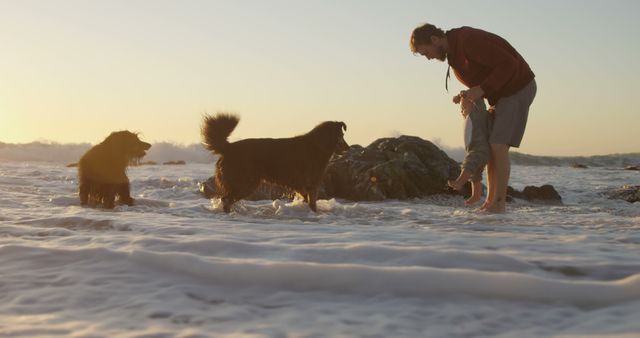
(102, 170)
(297, 163)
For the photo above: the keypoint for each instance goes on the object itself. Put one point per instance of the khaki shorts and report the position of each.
(510, 116)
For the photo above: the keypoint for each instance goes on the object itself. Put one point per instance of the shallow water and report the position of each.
(175, 265)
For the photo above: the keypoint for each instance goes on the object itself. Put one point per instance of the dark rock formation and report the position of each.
(180, 162)
(389, 168)
(632, 167)
(629, 193)
(513, 193)
(545, 194)
(579, 166)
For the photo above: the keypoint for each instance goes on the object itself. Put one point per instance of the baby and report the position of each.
(477, 148)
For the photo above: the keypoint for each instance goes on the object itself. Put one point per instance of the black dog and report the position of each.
(102, 170)
(297, 162)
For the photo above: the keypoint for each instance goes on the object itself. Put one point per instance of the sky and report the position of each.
(73, 71)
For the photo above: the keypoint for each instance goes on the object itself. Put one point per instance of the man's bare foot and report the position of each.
(496, 207)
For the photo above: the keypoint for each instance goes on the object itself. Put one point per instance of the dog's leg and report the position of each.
(227, 195)
(235, 195)
(84, 192)
(312, 196)
(236, 188)
(99, 193)
(109, 196)
(95, 197)
(227, 202)
(125, 194)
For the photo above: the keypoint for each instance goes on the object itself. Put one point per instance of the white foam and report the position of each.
(175, 264)
(402, 281)
(152, 203)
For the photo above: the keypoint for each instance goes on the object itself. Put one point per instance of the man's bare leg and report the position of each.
(491, 184)
(502, 170)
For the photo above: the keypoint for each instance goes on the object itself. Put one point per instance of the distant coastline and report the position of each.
(611, 160)
(65, 153)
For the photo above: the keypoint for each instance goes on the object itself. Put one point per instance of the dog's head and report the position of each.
(126, 143)
(329, 136)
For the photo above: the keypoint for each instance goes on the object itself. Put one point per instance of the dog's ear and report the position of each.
(344, 126)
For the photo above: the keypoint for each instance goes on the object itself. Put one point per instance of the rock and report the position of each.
(138, 162)
(579, 166)
(389, 168)
(514, 193)
(632, 167)
(175, 162)
(72, 165)
(545, 194)
(629, 193)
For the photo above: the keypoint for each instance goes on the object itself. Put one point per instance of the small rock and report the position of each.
(175, 162)
(545, 194)
(514, 193)
(629, 193)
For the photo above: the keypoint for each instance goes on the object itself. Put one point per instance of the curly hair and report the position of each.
(422, 35)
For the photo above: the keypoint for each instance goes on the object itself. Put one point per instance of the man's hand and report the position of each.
(467, 99)
(474, 93)
(466, 106)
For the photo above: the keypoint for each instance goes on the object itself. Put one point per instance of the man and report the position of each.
(493, 70)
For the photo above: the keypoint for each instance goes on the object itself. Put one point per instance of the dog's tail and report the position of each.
(216, 129)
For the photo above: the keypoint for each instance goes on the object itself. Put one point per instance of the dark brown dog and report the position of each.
(102, 170)
(297, 162)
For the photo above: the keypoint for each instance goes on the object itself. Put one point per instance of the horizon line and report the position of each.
(440, 146)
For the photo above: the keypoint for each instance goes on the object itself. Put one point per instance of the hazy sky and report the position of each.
(73, 71)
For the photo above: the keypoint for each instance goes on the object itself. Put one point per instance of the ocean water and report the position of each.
(175, 265)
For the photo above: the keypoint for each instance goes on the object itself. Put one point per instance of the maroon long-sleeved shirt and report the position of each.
(480, 58)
